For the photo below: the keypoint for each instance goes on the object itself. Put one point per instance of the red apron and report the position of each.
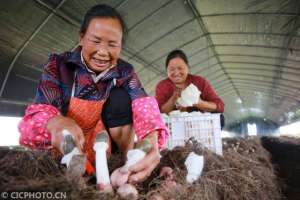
(87, 115)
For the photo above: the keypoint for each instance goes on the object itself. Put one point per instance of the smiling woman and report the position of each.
(101, 44)
(10, 135)
(169, 90)
(89, 90)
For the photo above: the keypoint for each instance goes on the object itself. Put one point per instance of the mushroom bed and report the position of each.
(250, 168)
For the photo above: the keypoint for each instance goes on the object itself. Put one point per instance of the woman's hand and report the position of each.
(57, 124)
(182, 108)
(205, 106)
(170, 105)
(177, 93)
(141, 170)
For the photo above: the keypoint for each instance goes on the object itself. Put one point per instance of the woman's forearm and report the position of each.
(206, 106)
(169, 105)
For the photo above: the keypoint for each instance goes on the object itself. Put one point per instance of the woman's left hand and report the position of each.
(205, 106)
(143, 169)
(200, 105)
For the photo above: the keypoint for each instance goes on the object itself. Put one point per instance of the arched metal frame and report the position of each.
(229, 70)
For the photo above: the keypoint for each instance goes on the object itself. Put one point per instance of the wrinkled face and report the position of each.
(177, 70)
(101, 44)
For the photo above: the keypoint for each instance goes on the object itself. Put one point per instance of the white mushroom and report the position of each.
(120, 176)
(137, 154)
(194, 164)
(68, 147)
(102, 173)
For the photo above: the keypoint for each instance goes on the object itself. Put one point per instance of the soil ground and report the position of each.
(251, 168)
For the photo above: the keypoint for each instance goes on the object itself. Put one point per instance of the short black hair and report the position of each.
(102, 11)
(177, 53)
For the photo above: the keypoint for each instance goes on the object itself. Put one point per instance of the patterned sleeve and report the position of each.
(146, 114)
(32, 127)
(48, 102)
(147, 119)
(132, 83)
(49, 88)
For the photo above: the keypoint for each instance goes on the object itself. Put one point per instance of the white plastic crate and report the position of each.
(204, 127)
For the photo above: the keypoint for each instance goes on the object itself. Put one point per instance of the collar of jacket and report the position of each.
(74, 57)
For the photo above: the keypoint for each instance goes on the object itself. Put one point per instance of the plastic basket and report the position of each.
(204, 127)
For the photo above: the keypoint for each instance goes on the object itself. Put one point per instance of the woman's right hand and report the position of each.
(177, 93)
(57, 124)
(171, 104)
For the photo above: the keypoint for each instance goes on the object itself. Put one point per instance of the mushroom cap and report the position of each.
(102, 137)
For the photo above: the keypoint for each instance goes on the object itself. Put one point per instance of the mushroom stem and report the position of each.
(137, 154)
(194, 164)
(100, 148)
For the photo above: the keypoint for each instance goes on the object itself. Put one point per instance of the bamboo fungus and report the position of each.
(102, 173)
(120, 176)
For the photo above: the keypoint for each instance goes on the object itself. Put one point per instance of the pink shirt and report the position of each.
(165, 89)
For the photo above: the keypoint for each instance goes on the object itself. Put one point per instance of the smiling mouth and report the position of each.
(101, 63)
(176, 77)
